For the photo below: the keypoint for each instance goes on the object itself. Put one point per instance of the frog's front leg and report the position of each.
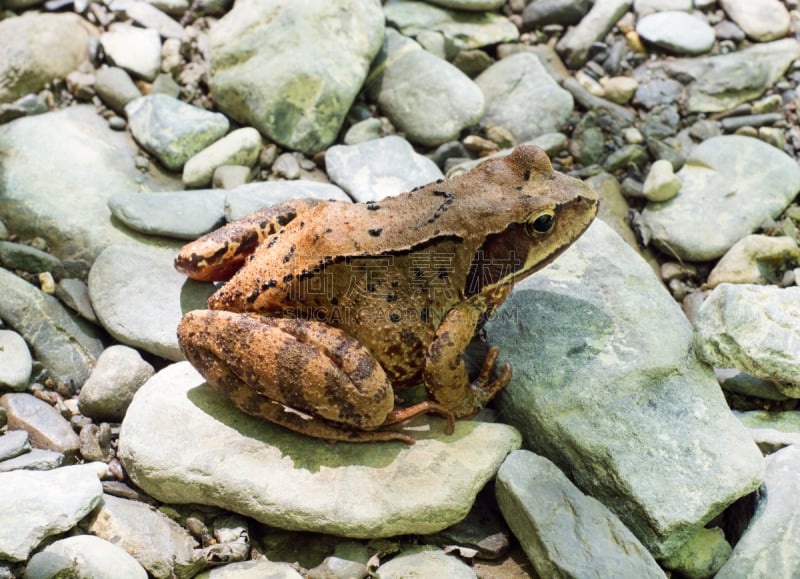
(216, 256)
(445, 373)
(306, 376)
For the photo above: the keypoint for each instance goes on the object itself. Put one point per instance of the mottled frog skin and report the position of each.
(331, 307)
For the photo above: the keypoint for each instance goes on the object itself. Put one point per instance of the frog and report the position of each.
(330, 309)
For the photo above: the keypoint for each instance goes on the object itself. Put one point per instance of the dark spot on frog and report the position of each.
(272, 241)
(527, 175)
(373, 207)
(287, 278)
(284, 219)
(371, 288)
(394, 317)
(253, 296)
(329, 230)
(375, 232)
(391, 298)
(520, 188)
(439, 181)
(268, 284)
(424, 314)
(442, 273)
(417, 272)
(217, 254)
(334, 301)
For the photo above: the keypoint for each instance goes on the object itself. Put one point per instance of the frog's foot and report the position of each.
(483, 388)
(402, 414)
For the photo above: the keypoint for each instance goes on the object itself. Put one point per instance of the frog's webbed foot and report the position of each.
(482, 386)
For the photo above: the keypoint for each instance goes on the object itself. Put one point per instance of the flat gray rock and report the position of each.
(115, 86)
(257, 569)
(427, 99)
(296, 482)
(564, 532)
(245, 199)
(137, 50)
(678, 32)
(755, 328)
(65, 345)
(425, 562)
(762, 21)
(315, 72)
(179, 214)
(14, 443)
(119, 373)
(37, 48)
(477, 5)
(523, 98)
(741, 181)
(239, 147)
(36, 459)
(139, 297)
(604, 14)
(768, 546)
(44, 424)
(15, 361)
(635, 419)
(91, 556)
(172, 130)
(379, 168)
(47, 178)
(36, 505)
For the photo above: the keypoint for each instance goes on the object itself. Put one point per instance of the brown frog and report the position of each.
(331, 307)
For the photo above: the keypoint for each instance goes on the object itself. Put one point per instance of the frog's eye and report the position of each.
(540, 223)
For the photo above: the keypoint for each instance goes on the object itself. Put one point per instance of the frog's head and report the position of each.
(538, 214)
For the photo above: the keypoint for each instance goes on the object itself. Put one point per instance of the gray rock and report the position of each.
(36, 459)
(166, 85)
(148, 16)
(143, 311)
(601, 378)
(543, 12)
(359, 490)
(767, 547)
(620, 114)
(645, 7)
(48, 178)
(86, 556)
(702, 556)
(74, 294)
(64, 344)
(45, 426)
(477, 5)
(376, 169)
(425, 97)
(158, 543)
(719, 83)
(461, 30)
(678, 32)
(14, 443)
(741, 181)
(574, 45)
(755, 259)
(762, 21)
(36, 505)
(179, 215)
(772, 431)
(366, 130)
(26, 258)
(230, 176)
(248, 198)
(315, 72)
(115, 87)
(240, 147)
(564, 532)
(753, 328)
(661, 183)
(425, 562)
(37, 48)
(172, 130)
(15, 361)
(522, 97)
(252, 570)
(733, 380)
(119, 373)
(137, 50)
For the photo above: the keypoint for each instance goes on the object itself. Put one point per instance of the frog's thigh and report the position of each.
(308, 366)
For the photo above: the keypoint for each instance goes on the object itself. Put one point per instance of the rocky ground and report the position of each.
(651, 427)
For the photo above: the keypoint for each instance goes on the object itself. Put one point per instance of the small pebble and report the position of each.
(286, 166)
(230, 176)
(661, 184)
(754, 259)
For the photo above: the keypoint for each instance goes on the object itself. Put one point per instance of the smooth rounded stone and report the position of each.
(248, 198)
(37, 48)
(426, 98)
(45, 426)
(645, 7)
(148, 16)
(172, 130)
(239, 147)
(36, 505)
(74, 294)
(702, 556)
(574, 45)
(159, 544)
(115, 87)
(139, 297)
(286, 166)
(86, 555)
(768, 546)
(755, 259)
(461, 30)
(601, 378)
(619, 89)
(252, 570)
(296, 482)
(376, 169)
(522, 97)
(179, 215)
(47, 178)
(166, 85)
(762, 21)
(476, 5)
(425, 561)
(564, 532)
(315, 72)
(661, 183)
(15, 361)
(119, 373)
(733, 380)
(366, 130)
(137, 50)
(27, 258)
(753, 328)
(230, 176)
(543, 12)
(741, 181)
(65, 345)
(14, 443)
(678, 32)
(36, 459)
